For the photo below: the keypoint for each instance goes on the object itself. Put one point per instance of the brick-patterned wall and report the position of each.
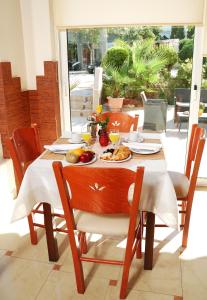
(48, 108)
(20, 109)
(14, 104)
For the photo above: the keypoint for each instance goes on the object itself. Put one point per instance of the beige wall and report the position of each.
(115, 12)
(38, 32)
(11, 38)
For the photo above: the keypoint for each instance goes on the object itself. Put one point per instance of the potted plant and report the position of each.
(201, 109)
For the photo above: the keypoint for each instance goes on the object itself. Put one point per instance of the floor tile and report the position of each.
(61, 286)
(21, 279)
(39, 252)
(164, 278)
(113, 294)
(194, 274)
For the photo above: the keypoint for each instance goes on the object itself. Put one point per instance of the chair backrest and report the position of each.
(196, 134)
(100, 191)
(121, 121)
(24, 147)
(143, 96)
(182, 95)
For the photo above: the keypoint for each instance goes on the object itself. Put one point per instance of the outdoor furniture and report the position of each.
(121, 121)
(182, 106)
(185, 184)
(155, 113)
(156, 186)
(183, 117)
(107, 211)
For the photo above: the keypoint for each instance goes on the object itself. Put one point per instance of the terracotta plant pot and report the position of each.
(115, 104)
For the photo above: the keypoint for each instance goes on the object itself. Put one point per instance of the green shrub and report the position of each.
(115, 57)
(184, 74)
(170, 54)
(185, 49)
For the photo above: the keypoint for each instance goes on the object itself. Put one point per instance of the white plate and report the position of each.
(60, 152)
(145, 151)
(84, 164)
(117, 161)
(71, 142)
(139, 140)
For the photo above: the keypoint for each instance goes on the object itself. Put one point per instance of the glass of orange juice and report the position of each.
(86, 136)
(114, 137)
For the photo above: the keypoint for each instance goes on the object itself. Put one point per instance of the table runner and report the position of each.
(158, 195)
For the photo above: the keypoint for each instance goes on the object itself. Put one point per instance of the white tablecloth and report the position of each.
(158, 195)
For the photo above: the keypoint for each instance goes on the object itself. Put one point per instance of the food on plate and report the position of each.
(109, 150)
(118, 154)
(72, 158)
(86, 156)
(79, 155)
(77, 151)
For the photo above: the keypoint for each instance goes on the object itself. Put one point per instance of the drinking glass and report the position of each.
(114, 137)
(86, 136)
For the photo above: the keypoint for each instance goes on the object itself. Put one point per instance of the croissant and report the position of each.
(120, 153)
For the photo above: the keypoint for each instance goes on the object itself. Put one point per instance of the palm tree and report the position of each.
(140, 70)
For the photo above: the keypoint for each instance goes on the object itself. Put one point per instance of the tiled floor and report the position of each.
(25, 272)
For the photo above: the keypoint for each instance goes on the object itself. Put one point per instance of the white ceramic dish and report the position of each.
(84, 164)
(117, 161)
(138, 140)
(60, 151)
(145, 151)
(72, 142)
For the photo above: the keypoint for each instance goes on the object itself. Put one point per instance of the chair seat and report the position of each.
(104, 224)
(181, 184)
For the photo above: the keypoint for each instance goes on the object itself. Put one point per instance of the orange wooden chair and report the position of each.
(121, 121)
(101, 196)
(24, 148)
(185, 184)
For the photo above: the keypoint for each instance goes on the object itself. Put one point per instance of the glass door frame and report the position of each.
(196, 85)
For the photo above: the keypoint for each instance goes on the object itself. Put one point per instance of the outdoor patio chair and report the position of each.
(185, 184)
(121, 121)
(182, 105)
(155, 113)
(24, 148)
(101, 198)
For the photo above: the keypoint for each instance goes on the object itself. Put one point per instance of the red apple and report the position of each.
(86, 156)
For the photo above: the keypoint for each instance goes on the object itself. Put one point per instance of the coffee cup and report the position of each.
(75, 137)
(133, 136)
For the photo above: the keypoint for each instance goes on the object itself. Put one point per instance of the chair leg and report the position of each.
(125, 274)
(187, 223)
(127, 264)
(83, 242)
(77, 263)
(139, 237)
(183, 207)
(33, 233)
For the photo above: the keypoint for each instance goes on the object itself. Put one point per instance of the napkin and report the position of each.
(62, 147)
(148, 146)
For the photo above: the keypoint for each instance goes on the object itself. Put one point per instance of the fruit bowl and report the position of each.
(80, 156)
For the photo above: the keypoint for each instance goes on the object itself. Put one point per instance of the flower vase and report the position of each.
(103, 137)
